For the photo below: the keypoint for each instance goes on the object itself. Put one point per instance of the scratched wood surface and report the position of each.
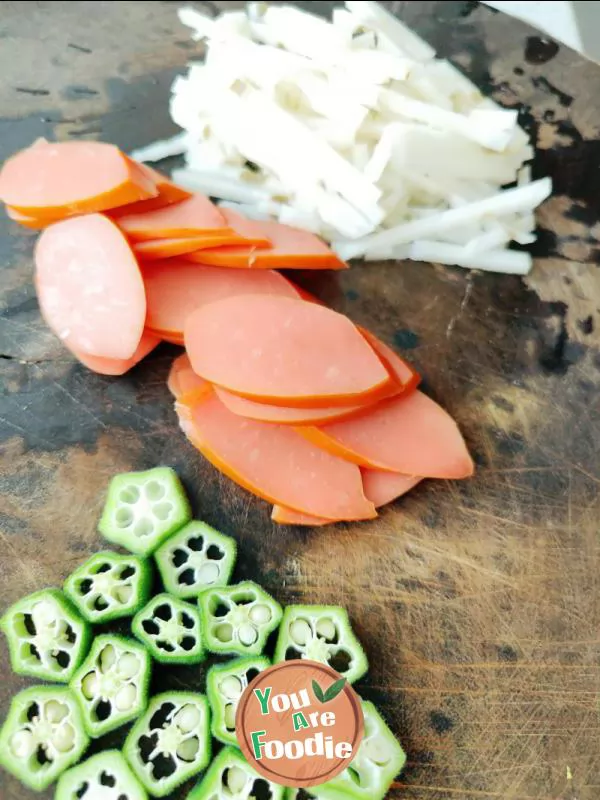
(478, 602)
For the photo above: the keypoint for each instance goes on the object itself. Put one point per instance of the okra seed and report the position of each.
(55, 711)
(377, 750)
(126, 697)
(229, 716)
(236, 779)
(89, 685)
(247, 634)
(64, 738)
(231, 687)
(155, 490)
(130, 495)
(108, 656)
(162, 510)
(124, 517)
(44, 615)
(300, 631)
(326, 628)
(128, 665)
(188, 750)
(260, 614)
(208, 573)
(143, 527)
(224, 632)
(187, 718)
(122, 594)
(22, 744)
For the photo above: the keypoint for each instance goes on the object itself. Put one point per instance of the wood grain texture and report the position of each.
(478, 602)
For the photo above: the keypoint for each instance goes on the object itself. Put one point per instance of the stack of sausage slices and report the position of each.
(287, 397)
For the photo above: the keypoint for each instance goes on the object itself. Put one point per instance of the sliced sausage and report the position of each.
(290, 248)
(285, 415)
(168, 193)
(283, 351)
(410, 434)
(196, 216)
(383, 487)
(273, 462)
(52, 181)
(160, 249)
(115, 366)
(175, 288)
(89, 287)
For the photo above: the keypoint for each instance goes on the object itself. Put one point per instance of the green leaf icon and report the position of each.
(334, 690)
(318, 692)
(329, 694)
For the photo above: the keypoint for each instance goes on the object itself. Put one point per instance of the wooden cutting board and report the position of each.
(478, 602)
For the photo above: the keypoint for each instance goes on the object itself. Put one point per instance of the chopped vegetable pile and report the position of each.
(49, 635)
(354, 130)
(287, 397)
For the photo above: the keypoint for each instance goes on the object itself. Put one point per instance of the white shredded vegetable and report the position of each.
(354, 130)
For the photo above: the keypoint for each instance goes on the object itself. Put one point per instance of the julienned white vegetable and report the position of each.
(352, 129)
(510, 201)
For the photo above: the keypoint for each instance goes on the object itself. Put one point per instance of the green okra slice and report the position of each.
(143, 509)
(106, 776)
(225, 684)
(47, 637)
(112, 683)
(324, 634)
(238, 619)
(110, 586)
(194, 559)
(299, 794)
(170, 742)
(230, 777)
(43, 735)
(170, 629)
(372, 771)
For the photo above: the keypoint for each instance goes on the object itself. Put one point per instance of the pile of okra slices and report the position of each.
(52, 637)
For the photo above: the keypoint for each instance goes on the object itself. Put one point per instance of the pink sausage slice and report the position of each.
(410, 434)
(290, 248)
(168, 193)
(65, 178)
(89, 287)
(115, 366)
(194, 216)
(284, 415)
(283, 351)
(175, 288)
(383, 487)
(407, 377)
(273, 462)
(379, 487)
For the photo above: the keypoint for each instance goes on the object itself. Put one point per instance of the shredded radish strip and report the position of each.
(354, 130)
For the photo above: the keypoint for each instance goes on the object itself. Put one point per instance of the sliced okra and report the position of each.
(225, 684)
(47, 637)
(230, 777)
(106, 776)
(324, 634)
(112, 683)
(238, 619)
(110, 586)
(302, 794)
(371, 773)
(170, 742)
(43, 735)
(194, 559)
(170, 629)
(143, 509)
